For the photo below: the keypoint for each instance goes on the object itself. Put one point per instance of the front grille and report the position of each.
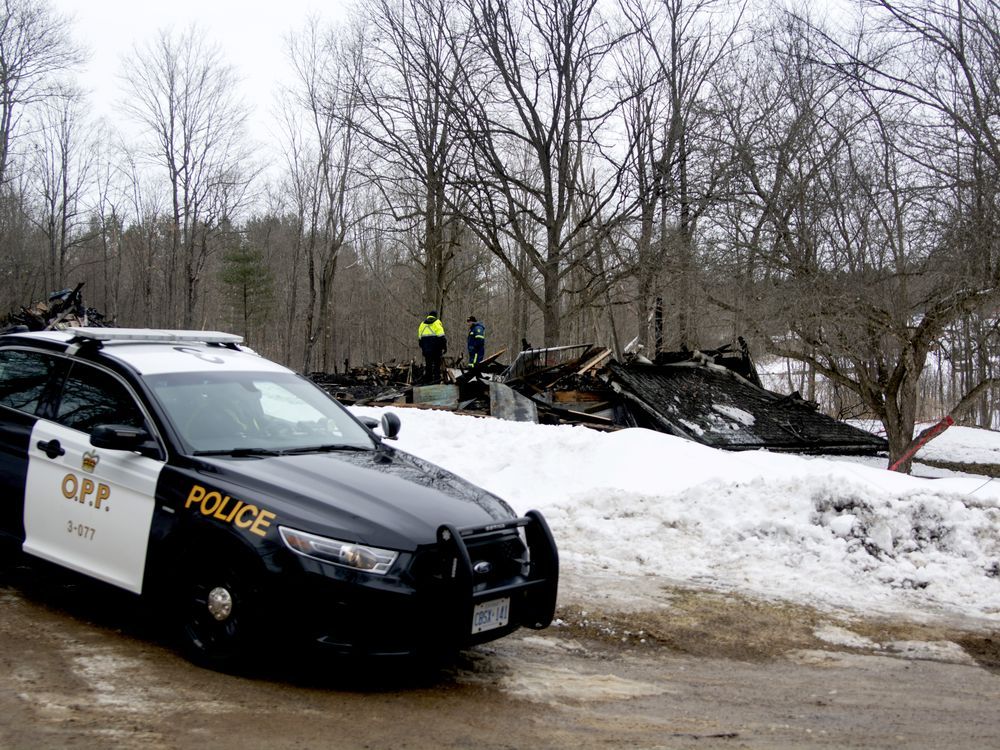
(504, 553)
(506, 558)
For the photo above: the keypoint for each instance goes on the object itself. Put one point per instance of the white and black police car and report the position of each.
(183, 467)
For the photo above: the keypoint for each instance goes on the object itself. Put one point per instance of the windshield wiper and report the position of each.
(329, 448)
(239, 452)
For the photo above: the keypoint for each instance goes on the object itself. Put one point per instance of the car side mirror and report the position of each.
(390, 425)
(119, 437)
(370, 422)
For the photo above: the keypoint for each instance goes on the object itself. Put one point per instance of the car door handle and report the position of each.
(52, 448)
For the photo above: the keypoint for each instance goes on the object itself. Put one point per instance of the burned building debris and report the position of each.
(61, 309)
(713, 405)
(713, 397)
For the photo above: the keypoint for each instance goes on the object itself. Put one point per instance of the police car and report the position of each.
(183, 467)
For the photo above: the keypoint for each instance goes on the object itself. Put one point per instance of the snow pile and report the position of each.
(649, 509)
(965, 445)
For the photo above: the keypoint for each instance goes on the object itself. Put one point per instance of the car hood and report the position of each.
(383, 497)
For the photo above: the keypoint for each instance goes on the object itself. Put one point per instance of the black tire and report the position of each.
(217, 612)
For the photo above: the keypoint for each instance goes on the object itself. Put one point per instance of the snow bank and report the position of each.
(965, 445)
(648, 509)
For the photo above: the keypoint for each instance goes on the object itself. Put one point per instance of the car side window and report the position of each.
(23, 378)
(93, 397)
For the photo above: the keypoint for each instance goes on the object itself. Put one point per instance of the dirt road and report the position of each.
(84, 668)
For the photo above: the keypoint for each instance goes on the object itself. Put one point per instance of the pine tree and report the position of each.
(248, 288)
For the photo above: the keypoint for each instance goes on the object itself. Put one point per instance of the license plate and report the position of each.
(490, 615)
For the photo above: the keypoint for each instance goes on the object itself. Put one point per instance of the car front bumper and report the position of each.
(471, 573)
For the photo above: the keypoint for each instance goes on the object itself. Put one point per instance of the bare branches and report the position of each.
(538, 179)
(417, 67)
(186, 96)
(34, 46)
(327, 170)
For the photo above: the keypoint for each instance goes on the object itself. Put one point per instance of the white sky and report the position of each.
(250, 33)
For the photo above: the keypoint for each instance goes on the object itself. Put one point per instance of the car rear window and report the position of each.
(23, 378)
(93, 397)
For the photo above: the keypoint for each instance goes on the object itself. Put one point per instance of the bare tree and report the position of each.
(677, 165)
(111, 216)
(782, 115)
(416, 62)
(535, 117)
(866, 255)
(645, 110)
(34, 46)
(327, 67)
(61, 167)
(146, 244)
(186, 97)
(939, 61)
(294, 196)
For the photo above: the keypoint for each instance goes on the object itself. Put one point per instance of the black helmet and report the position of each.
(471, 319)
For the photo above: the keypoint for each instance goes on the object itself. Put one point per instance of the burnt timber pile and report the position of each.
(379, 383)
(713, 397)
(61, 309)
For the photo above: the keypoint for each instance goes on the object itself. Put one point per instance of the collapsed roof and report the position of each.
(713, 397)
(712, 405)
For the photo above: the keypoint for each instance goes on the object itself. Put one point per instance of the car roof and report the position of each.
(156, 351)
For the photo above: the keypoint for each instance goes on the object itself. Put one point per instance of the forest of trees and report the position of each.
(825, 186)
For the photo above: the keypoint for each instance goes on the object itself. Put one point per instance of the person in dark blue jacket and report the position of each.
(477, 341)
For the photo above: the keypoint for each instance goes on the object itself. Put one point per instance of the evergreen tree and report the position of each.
(248, 288)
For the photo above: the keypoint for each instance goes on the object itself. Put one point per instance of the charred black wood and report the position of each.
(713, 405)
(61, 309)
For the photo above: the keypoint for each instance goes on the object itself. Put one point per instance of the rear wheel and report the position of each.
(218, 614)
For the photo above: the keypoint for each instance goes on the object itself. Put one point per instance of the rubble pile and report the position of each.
(560, 385)
(712, 396)
(361, 385)
(61, 309)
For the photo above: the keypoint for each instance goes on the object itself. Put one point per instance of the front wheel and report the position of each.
(217, 614)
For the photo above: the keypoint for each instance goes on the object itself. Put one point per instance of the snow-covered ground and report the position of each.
(634, 511)
(965, 445)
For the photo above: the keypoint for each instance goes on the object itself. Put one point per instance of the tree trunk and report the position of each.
(899, 421)
(551, 315)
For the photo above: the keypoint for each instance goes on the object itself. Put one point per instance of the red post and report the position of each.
(922, 439)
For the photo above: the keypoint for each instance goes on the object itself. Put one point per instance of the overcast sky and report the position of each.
(250, 33)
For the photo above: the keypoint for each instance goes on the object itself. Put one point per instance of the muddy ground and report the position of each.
(85, 667)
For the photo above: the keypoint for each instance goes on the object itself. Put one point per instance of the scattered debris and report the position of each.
(713, 397)
(445, 396)
(506, 403)
(378, 383)
(62, 309)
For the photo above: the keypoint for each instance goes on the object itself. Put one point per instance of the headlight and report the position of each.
(348, 554)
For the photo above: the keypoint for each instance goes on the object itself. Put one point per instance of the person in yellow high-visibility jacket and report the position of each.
(433, 345)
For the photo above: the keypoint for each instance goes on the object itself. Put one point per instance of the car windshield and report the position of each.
(248, 413)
